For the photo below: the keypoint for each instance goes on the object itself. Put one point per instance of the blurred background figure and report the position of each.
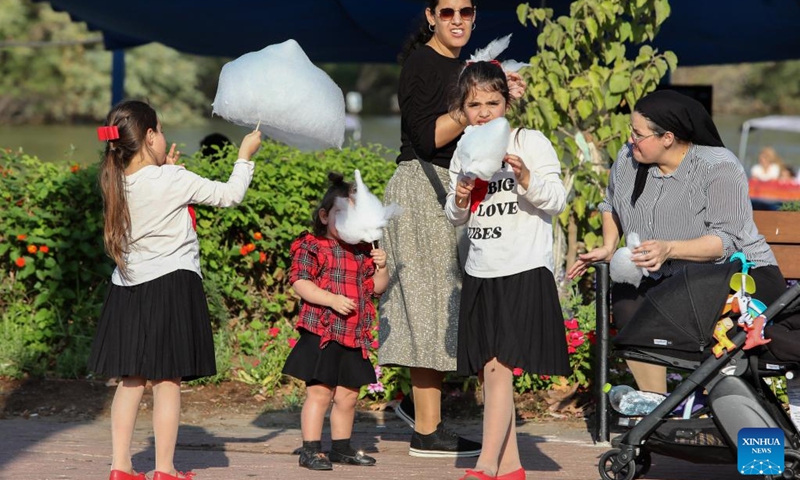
(212, 144)
(768, 167)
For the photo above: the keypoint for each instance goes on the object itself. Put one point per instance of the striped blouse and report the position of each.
(706, 195)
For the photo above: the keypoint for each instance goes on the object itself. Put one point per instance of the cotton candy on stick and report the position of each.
(622, 269)
(361, 217)
(296, 102)
(482, 148)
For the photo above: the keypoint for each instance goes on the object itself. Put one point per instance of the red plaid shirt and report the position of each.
(341, 269)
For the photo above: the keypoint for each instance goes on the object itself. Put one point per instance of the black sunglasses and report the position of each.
(447, 14)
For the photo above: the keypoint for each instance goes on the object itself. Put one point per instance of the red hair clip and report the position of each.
(105, 134)
(493, 62)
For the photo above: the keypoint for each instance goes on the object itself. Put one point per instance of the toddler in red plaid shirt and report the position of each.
(336, 282)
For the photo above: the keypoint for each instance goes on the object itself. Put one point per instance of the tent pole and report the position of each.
(117, 76)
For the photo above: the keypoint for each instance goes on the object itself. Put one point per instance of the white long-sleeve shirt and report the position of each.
(510, 230)
(162, 239)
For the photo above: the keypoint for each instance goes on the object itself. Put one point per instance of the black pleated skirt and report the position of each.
(335, 365)
(159, 330)
(517, 319)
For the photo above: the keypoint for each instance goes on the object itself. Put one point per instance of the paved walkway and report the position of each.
(238, 447)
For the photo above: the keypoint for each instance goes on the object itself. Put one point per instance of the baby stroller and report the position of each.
(675, 329)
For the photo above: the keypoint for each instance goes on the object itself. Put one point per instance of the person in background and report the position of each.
(418, 323)
(769, 165)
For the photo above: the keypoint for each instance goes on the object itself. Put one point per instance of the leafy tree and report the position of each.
(70, 80)
(775, 86)
(579, 82)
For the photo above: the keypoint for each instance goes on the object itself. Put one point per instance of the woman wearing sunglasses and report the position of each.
(418, 324)
(686, 195)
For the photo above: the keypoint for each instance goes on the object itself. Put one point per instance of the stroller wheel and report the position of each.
(643, 462)
(606, 463)
(791, 467)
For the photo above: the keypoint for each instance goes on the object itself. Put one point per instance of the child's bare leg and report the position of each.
(498, 415)
(343, 413)
(166, 418)
(509, 457)
(123, 419)
(318, 399)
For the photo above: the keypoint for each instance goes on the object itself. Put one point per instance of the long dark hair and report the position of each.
(132, 119)
(422, 35)
(338, 189)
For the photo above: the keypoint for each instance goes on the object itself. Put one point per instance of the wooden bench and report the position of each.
(782, 232)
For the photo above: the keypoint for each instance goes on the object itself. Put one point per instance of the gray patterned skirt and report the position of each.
(418, 323)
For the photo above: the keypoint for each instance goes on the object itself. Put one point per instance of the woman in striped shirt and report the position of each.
(686, 195)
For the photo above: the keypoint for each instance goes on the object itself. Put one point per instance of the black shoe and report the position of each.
(442, 443)
(405, 410)
(359, 458)
(314, 460)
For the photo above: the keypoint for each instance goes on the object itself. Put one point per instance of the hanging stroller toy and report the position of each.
(750, 309)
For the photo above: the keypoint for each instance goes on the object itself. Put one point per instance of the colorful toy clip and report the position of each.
(721, 335)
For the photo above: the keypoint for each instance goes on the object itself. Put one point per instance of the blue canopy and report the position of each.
(699, 32)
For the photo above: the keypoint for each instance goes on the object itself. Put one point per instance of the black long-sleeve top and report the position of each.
(426, 84)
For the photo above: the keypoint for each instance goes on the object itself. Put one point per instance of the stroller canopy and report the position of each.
(680, 313)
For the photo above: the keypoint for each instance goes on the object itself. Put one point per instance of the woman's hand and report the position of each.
(464, 188)
(516, 85)
(520, 169)
(342, 304)
(585, 260)
(651, 254)
(250, 144)
(173, 155)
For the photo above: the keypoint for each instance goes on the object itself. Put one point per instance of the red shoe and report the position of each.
(473, 475)
(515, 475)
(120, 475)
(167, 476)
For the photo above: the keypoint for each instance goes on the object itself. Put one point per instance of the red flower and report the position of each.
(20, 262)
(517, 372)
(375, 344)
(44, 249)
(571, 324)
(257, 236)
(243, 250)
(544, 377)
(21, 236)
(74, 168)
(250, 247)
(571, 350)
(262, 257)
(32, 249)
(256, 362)
(292, 342)
(592, 336)
(575, 338)
(274, 331)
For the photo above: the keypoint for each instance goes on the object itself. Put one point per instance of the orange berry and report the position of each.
(20, 262)
(243, 250)
(32, 249)
(74, 168)
(257, 236)
(44, 249)
(262, 257)
(21, 236)
(250, 247)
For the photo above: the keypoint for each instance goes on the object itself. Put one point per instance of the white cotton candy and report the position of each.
(491, 51)
(294, 101)
(363, 218)
(482, 148)
(513, 66)
(622, 269)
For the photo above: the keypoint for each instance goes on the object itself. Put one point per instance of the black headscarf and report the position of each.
(684, 116)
